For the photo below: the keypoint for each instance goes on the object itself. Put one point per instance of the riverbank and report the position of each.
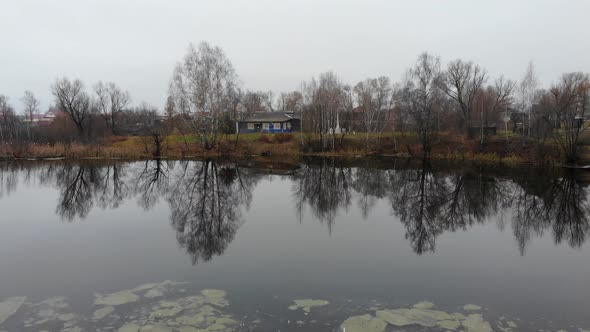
(501, 149)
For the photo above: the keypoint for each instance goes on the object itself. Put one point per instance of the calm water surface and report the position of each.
(361, 237)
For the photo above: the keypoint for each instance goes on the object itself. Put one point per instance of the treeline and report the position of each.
(76, 115)
(206, 99)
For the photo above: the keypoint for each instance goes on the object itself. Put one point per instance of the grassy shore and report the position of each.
(502, 148)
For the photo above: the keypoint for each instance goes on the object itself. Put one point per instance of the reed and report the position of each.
(449, 146)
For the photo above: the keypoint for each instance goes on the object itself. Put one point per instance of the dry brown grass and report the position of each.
(450, 146)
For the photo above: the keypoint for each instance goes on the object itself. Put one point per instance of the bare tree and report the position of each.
(345, 117)
(492, 101)
(292, 102)
(253, 102)
(565, 107)
(269, 99)
(31, 104)
(111, 101)
(420, 99)
(5, 109)
(384, 104)
(364, 92)
(203, 86)
(9, 122)
(323, 99)
(503, 92)
(71, 98)
(153, 129)
(527, 93)
(460, 82)
(375, 97)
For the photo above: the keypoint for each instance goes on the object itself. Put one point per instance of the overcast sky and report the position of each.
(275, 45)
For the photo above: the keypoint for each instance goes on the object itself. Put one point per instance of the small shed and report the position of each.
(270, 122)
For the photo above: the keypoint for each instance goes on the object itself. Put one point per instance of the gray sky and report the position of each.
(275, 45)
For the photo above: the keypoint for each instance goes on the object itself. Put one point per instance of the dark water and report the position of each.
(362, 236)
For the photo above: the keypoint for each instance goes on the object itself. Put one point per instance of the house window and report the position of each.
(276, 125)
(250, 126)
(265, 125)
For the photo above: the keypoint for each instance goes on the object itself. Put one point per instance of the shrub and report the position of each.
(114, 139)
(225, 147)
(265, 139)
(21, 149)
(283, 138)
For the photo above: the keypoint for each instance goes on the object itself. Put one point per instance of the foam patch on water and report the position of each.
(307, 304)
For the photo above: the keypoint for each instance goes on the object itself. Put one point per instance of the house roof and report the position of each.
(269, 117)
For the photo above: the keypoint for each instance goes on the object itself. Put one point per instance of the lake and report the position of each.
(321, 245)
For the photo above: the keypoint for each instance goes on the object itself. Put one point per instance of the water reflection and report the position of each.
(558, 204)
(417, 199)
(207, 199)
(80, 186)
(206, 202)
(326, 189)
(151, 181)
(8, 178)
(430, 201)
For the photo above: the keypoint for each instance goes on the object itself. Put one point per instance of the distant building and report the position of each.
(270, 122)
(43, 119)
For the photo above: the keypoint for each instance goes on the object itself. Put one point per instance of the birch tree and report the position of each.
(31, 104)
(375, 98)
(203, 85)
(324, 100)
(31, 107)
(527, 93)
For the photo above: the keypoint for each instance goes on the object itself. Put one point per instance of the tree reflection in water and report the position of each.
(556, 203)
(83, 185)
(206, 199)
(371, 185)
(417, 197)
(77, 190)
(152, 181)
(326, 189)
(206, 202)
(8, 178)
(429, 203)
